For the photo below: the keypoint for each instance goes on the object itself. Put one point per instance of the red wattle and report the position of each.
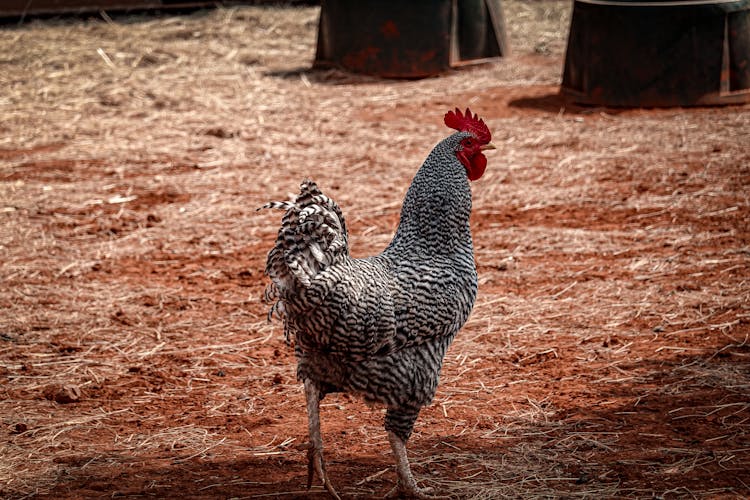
(478, 166)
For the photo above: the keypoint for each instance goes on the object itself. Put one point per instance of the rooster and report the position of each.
(379, 327)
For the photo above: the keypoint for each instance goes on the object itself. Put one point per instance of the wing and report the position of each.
(434, 299)
(353, 312)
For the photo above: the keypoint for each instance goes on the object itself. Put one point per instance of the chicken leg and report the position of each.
(407, 485)
(315, 462)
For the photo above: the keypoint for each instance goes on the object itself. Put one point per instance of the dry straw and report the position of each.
(607, 355)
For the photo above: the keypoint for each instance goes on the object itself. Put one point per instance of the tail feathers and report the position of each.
(312, 237)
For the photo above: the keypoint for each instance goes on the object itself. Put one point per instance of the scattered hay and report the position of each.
(607, 354)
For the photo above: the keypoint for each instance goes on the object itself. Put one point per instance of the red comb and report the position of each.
(468, 123)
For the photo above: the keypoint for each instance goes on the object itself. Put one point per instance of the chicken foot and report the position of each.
(406, 487)
(315, 462)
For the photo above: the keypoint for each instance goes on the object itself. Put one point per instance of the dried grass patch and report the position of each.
(607, 354)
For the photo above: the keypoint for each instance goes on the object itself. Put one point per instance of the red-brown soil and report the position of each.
(607, 355)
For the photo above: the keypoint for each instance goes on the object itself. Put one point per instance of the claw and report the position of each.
(409, 491)
(315, 464)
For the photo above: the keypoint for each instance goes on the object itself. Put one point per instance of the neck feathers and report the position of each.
(436, 210)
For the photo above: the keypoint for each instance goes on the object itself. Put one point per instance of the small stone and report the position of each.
(64, 394)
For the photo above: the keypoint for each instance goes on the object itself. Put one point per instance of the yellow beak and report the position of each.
(489, 145)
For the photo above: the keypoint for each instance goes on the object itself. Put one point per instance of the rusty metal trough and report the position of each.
(660, 53)
(419, 38)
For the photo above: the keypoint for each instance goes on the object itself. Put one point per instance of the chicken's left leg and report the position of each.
(315, 463)
(407, 485)
(399, 425)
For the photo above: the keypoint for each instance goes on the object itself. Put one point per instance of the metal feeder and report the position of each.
(415, 39)
(660, 53)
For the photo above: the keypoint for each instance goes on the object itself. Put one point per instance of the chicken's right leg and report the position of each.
(315, 461)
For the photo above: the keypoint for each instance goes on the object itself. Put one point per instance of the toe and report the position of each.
(402, 491)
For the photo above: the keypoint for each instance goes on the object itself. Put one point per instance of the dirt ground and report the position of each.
(607, 354)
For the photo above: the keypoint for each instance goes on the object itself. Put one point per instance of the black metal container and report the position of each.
(397, 39)
(661, 53)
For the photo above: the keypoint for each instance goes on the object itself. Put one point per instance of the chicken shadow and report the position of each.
(325, 76)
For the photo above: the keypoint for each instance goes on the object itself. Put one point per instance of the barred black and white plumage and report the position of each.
(380, 326)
